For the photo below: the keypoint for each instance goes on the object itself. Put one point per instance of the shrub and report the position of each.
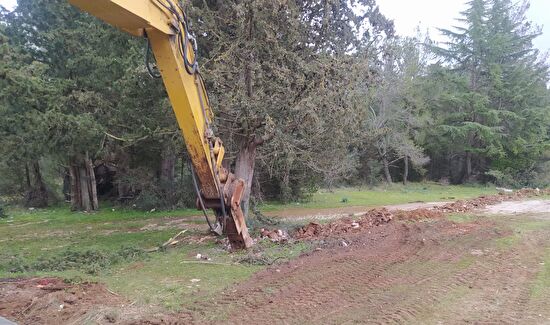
(91, 261)
(2, 211)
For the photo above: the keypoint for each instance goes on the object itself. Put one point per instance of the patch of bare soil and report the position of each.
(51, 301)
(296, 214)
(523, 207)
(417, 273)
(170, 223)
(337, 284)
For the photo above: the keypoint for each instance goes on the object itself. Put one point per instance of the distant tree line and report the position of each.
(307, 94)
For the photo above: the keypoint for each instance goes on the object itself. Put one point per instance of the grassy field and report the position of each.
(115, 246)
(384, 195)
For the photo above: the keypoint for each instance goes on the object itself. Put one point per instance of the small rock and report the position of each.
(70, 300)
(477, 252)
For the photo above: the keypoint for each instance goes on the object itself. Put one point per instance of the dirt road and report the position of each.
(335, 213)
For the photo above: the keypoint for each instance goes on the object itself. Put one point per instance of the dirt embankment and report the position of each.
(376, 217)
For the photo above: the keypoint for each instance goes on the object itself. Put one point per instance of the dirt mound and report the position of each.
(52, 301)
(377, 217)
(484, 201)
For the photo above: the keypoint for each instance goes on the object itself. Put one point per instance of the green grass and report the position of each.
(386, 195)
(541, 287)
(102, 246)
(175, 278)
(461, 218)
(507, 242)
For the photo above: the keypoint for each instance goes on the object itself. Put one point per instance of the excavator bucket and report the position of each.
(235, 225)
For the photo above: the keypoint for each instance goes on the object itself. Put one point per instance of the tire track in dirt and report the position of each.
(394, 274)
(321, 283)
(325, 281)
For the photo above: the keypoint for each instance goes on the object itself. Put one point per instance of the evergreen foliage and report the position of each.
(306, 94)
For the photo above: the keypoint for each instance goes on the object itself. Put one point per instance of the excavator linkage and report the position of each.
(164, 23)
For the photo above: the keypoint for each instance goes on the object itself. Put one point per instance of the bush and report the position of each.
(538, 176)
(2, 211)
(91, 261)
(501, 178)
(151, 193)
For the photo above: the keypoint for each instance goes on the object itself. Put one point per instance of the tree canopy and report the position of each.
(306, 94)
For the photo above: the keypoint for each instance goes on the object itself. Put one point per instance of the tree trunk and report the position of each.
(92, 184)
(27, 177)
(123, 166)
(405, 170)
(83, 184)
(67, 185)
(244, 169)
(168, 173)
(168, 167)
(37, 194)
(387, 170)
(468, 167)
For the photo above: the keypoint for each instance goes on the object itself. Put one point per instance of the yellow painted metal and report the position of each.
(133, 16)
(219, 152)
(185, 91)
(185, 98)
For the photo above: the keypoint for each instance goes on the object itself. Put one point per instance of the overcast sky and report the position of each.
(433, 14)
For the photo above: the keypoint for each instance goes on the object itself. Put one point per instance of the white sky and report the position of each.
(433, 14)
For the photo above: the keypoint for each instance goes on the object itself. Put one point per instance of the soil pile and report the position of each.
(372, 218)
(377, 217)
(483, 201)
(52, 301)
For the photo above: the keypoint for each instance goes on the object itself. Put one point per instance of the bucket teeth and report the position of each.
(235, 227)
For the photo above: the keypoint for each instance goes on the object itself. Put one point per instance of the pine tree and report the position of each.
(492, 107)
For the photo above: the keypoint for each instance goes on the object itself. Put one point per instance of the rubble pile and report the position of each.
(275, 236)
(418, 214)
(372, 218)
(377, 217)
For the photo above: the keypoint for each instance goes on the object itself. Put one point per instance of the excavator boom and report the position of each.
(164, 24)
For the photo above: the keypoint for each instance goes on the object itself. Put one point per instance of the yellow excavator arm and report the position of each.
(164, 24)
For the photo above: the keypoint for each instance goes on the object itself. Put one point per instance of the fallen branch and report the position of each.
(113, 293)
(170, 242)
(173, 241)
(205, 262)
(52, 288)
